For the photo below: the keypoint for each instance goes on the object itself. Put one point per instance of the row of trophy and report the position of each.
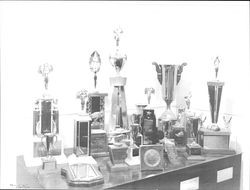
(129, 141)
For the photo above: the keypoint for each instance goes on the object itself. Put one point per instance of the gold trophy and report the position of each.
(214, 139)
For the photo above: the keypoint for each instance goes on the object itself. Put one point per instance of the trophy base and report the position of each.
(209, 139)
(49, 164)
(133, 162)
(117, 167)
(218, 152)
(168, 115)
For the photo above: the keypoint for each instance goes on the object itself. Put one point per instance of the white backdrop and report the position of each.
(64, 34)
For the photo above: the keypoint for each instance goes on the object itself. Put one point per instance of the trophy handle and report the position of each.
(227, 122)
(159, 71)
(179, 71)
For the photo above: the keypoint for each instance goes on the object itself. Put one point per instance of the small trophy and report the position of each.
(133, 150)
(119, 118)
(82, 129)
(213, 139)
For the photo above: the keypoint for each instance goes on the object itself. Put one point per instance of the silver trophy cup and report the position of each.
(168, 76)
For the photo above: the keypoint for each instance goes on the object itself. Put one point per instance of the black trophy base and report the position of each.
(117, 167)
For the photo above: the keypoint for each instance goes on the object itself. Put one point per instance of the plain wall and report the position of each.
(64, 34)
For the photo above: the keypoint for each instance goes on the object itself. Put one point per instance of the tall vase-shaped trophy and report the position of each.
(215, 139)
(168, 76)
(82, 169)
(46, 128)
(96, 110)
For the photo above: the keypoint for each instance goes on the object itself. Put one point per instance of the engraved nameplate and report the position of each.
(190, 184)
(224, 174)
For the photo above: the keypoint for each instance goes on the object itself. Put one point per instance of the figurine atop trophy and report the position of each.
(44, 70)
(149, 91)
(83, 96)
(94, 65)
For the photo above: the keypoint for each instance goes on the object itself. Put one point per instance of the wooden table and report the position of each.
(206, 172)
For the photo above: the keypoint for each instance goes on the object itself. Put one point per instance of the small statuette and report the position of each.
(45, 69)
(118, 59)
(227, 122)
(95, 64)
(148, 92)
(216, 66)
(82, 95)
(188, 100)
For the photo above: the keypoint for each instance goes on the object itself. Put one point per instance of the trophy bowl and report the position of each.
(169, 77)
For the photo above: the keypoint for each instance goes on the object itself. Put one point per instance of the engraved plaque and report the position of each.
(46, 117)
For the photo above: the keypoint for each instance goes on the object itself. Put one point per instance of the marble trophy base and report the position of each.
(215, 142)
(117, 167)
(117, 154)
(133, 161)
(30, 161)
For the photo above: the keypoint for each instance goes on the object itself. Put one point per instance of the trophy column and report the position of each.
(119, 117)
(96, 109)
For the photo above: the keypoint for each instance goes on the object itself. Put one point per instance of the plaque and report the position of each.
(151, 157)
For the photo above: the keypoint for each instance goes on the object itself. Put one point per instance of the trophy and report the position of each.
(82, 129)
(119, 118)
(213, 138)
(96, 109)
(82, 169)
(169, 76)
(46, 126)
(133, 149)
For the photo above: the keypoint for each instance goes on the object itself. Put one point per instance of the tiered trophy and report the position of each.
(215, 139)
(168, 76)
(118, 130)
(119, 116)
(46, 127)
(96, 110)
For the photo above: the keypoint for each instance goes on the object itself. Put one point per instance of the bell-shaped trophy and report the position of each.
(168, 76)
(119, 117)
(214, 139)
(96, 110)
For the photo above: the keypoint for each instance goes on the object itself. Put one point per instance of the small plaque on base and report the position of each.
(49, 164)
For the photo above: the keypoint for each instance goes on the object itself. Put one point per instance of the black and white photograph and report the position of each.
(125, 95)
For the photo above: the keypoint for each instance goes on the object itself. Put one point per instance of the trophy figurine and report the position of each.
(94, 65)
(214, 138)
(119, 118)
(148, 92)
